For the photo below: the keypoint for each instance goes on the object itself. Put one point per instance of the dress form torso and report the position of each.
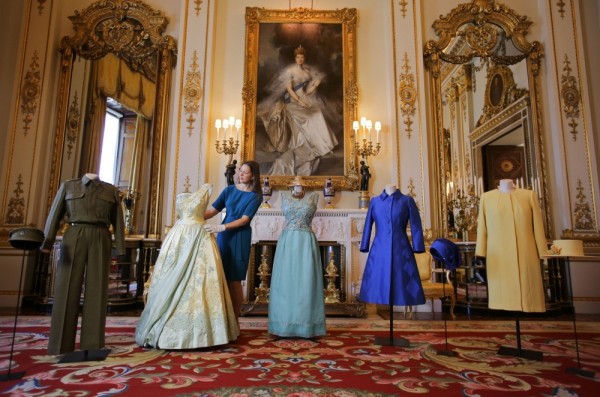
(506, 186)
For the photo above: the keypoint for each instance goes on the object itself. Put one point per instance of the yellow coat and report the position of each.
(510, 234)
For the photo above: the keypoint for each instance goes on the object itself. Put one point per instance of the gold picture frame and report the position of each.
(327, 38)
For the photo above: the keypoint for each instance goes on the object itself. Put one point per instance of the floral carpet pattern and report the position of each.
(347, 362)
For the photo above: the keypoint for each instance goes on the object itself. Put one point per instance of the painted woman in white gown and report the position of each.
(294, 118)
(188, 301)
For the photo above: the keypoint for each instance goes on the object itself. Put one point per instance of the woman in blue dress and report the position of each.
(391, 257)
(296, 297)
(241, 200)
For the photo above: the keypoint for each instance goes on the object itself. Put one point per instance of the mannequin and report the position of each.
(86, 251)
(506, 186)
(391, 275)
(297, 262)
(511, 238)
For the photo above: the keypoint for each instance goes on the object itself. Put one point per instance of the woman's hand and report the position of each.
(214, 228)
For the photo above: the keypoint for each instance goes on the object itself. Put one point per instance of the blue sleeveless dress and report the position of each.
(296, 298)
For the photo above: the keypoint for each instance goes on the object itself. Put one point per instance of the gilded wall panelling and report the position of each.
(581, 195)
(583, 215)
(30, 92)
(571, 97)
(20, 177)
(192, 93)
(15, 212)
(407, 94)
(73, 125)
(408, 151)
(191, 149)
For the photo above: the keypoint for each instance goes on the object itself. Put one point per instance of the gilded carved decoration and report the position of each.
(411, 189)
(30, 92)
(192, 93)
(403, 4)
(500, 92)
(583, 214)
(15, 212)
(73, 125)
(41, 6)
(187, 185)
(198, 6)
(561, 8)
(571, 96)
(129, 29)
(408, 95)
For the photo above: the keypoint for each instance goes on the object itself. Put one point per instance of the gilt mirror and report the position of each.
(483, 77)
(112, 106)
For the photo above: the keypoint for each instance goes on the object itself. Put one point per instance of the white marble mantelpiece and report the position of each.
(343, 226)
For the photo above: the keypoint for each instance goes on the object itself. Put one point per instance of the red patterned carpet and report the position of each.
(345, 363)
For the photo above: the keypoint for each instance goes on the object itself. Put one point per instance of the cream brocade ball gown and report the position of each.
(188, 301)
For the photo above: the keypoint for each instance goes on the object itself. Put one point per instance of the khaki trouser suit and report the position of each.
(91, 207)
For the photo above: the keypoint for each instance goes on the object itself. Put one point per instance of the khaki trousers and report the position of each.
(85, 256)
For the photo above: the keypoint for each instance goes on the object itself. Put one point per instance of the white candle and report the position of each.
(225, 127)
(377, 129)
(218, 127)
(238, 125)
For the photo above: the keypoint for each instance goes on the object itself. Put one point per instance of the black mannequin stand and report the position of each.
(571, 370)
(85, 355)
(14, 375)
(518, 351)
(27, 239)
(391, 341)
(446, 351)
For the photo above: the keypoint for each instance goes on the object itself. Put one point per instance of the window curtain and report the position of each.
(111, 77)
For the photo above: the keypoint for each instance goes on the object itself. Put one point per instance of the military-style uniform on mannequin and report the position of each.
(91, 206)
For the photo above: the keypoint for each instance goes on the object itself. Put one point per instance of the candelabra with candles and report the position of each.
(228, 145)
(467, 204)
(365, 148)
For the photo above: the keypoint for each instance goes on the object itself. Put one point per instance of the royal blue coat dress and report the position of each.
(391, 254)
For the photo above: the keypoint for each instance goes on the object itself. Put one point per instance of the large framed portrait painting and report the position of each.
(300, 95)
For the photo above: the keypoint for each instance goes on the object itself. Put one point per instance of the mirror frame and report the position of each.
(110, 27)
(486, 16)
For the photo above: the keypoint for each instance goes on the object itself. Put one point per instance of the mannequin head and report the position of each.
(297, 188)
(391, 188)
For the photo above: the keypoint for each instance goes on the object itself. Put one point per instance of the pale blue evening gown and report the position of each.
(188, 300)
(296, 298)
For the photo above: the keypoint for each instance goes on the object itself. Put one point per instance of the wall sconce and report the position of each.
(365, 148)
(227, 145)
